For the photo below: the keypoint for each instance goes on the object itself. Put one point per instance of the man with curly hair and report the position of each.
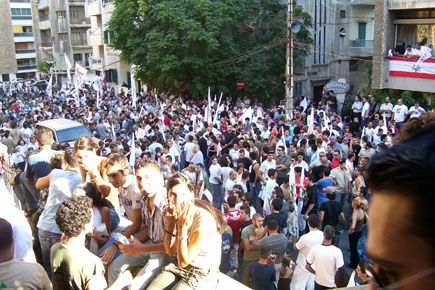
(72, 265)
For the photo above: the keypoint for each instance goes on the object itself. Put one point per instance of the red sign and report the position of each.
(240, 84)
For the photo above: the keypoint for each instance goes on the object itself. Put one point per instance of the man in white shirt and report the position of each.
(327, 259)
(399, 113)
(267, 164)
(229, 185)
(365, 111)
(188, 148)
(416, 111)
(301, 277)
(387, 109)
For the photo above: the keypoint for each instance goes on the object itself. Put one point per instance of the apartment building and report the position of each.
(343, 33)
(17, 40)
(63, 26)
(104, 57)
(409, 21)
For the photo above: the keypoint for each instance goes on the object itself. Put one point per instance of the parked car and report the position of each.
(65, 131)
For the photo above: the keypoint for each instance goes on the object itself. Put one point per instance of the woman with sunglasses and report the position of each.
(193, 230)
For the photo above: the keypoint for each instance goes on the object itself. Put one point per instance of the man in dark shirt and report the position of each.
(330, 213)
(261, 274)
(400, 48)
(275, 207)
(332, 101)
(244, 159)
(310, 198)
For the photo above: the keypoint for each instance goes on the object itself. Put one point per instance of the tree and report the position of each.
(179, 46)
(43, 66)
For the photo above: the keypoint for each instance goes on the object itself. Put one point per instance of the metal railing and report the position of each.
(24, 51)
(21, 17)
(79, 42)
(23, 34)
(26, 67)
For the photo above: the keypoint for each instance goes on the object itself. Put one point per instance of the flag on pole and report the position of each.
(362, 135)
(217, 110)
(50, 86)
(132, 159)
(103, 77)
(292, 180)
(208, 110)
(301, 183)
(68, 66)
(80, 73)
(113, 132)
(133, 89)
(311, 122)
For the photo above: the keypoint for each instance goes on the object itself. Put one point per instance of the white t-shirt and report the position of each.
(387, 106)
(130, 196)
(234, 154)
(305, 244)
(400, 113)
(215, 171)
(188, 148)
(225, 174)
(416, 112)
(327, 260)
(229, 186)
(266, 165)
(366, 110)
(62, 184)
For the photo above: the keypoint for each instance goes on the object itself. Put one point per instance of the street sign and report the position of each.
(337, 87)
(240, 84)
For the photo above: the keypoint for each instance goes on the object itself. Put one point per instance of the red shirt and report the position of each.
(235, 223)
(334, 163)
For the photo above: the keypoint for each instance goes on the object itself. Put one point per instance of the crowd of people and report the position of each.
(173, 192)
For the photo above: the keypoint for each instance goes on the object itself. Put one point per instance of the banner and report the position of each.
(50, 86)
(412, 67)
(103, 77)
(80, 73)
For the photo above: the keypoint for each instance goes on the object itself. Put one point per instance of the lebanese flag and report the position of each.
(103, 77)
(409, 67)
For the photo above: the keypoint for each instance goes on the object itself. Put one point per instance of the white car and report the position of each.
(65, 131)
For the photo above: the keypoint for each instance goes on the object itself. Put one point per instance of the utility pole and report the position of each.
(289, 62)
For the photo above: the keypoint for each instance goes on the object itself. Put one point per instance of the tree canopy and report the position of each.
(180, 46)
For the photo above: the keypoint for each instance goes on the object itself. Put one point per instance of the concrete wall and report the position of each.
(8, 62)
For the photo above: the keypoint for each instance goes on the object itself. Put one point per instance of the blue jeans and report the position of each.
(114, 219)
(47, 240)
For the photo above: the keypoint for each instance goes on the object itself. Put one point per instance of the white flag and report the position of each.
(133, 88)
(80, 73)
(50, 86)
(68, 66)
(311, 121)
(132, 159)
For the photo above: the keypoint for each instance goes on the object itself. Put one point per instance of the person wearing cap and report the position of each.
(341, 180)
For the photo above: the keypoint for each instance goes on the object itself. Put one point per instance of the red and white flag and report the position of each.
(416, 68)
(80, 73)
(50, 86)
(103, 77)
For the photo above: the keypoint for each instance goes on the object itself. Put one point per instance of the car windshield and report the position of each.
(70, 134)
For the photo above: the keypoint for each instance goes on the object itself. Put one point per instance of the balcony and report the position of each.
(26, 67)
(45, 24)
(363, 2)
(25, 53)
(361, 47)
(79, 42)
(96, 37)
(410, 4)
(80, 22)
(96, 63)
(24, 37)
(93, 8)
(77, 2)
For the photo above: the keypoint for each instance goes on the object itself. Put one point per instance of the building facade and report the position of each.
(104, 58)
(409, 21)
(18, 58)
(343, 33)
(63, 28)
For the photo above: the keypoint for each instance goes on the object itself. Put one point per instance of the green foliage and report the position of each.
(174, 43)
(43, 66)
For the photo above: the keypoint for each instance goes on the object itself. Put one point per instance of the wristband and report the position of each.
(116, 245)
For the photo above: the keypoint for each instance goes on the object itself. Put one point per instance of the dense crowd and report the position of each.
(178, 190)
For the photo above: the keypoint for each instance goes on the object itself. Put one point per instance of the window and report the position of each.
(108, 37)
(21, 13)
(78, 57)
(112, 76)
(342, 13)
(60, 14)
(362, 30)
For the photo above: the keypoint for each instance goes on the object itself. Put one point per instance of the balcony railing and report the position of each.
(21, 17)
(46, 44)
(24, 51)
(26, 67)
(79, 42)
(410, 4)
(83, 20)
(23, 34)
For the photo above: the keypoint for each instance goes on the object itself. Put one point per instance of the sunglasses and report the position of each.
(381, 284)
